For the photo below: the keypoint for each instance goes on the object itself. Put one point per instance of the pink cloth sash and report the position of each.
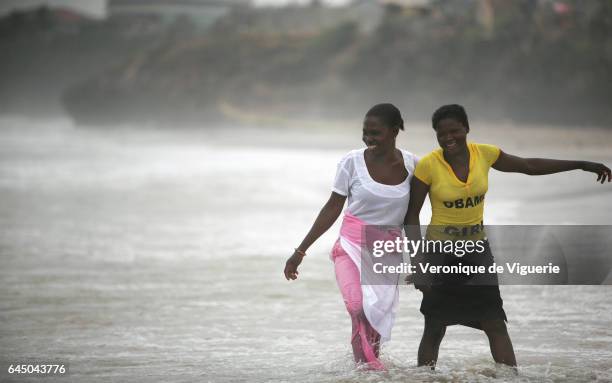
(365, 340)
(351, 228)
(373, 320)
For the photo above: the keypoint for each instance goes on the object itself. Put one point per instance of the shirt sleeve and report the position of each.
(343, 177)
(490, 153)
(415, 162)
(423, 170)
(410, 161)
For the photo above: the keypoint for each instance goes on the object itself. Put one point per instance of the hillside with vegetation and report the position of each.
(527, 61)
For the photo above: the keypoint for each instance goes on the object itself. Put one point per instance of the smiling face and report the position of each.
(377, 136)
(452, 135)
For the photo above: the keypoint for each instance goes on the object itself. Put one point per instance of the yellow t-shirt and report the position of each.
(457, 207)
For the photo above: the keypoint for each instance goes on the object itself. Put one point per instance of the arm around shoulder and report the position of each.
(418, 192)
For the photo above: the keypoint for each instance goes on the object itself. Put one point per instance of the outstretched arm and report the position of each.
(540, 166)
(327, 216)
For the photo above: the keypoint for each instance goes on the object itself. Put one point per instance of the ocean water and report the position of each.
(141, 255)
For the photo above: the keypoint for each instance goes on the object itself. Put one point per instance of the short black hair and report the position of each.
(454, 111)
(389, 113)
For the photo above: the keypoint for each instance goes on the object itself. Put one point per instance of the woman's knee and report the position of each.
(354, 308)
(496, 327)
(434, 330)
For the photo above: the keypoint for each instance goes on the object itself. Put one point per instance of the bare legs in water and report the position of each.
(430, 342)
(499, 341)
(361, 327)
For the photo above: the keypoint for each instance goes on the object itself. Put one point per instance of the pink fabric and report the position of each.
(365, 340)
(351, 228)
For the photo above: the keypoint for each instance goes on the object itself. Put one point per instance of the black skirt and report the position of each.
(463, 299)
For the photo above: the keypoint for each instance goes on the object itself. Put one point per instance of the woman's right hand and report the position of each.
(327, 216)
(419, 286)
(291, 266)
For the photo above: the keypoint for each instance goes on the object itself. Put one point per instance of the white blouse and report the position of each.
(373, 202)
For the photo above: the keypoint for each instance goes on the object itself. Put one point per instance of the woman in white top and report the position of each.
(376, 181)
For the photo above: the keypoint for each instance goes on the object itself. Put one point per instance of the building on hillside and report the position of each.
(201, 13)
(369, 13)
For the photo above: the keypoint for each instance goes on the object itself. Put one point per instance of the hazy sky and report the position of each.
(98, 8)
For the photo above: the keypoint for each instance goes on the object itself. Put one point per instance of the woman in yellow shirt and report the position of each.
(456, 178)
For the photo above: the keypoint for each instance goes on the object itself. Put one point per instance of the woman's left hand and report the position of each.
(601, 170)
